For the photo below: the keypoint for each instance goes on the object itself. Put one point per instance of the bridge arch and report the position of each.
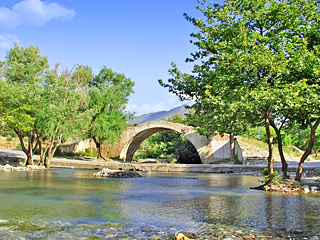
(137, 134)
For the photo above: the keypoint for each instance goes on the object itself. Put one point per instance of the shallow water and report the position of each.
(72, 204)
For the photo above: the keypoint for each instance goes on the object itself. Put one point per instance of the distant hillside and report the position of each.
(149, 117)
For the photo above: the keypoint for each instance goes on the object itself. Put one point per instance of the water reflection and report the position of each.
(56, 195)
(69, 204)
(289, 213)
(208, 202)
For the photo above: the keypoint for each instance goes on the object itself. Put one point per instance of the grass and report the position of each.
(255, 142)
(290, 150)
(87, 153)
(9, 143)
(286, 149)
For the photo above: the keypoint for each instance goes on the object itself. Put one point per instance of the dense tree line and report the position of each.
(45, 107)
(257, 64)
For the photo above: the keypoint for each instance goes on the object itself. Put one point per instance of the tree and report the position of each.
(21, 89)
(109, 92)
(310, 117)
(252, 54)
(64, 110)
(213, 116)
(299, 136)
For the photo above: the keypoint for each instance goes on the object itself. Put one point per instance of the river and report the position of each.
(72, 204)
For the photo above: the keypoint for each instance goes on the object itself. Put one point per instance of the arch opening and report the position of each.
(162, 143)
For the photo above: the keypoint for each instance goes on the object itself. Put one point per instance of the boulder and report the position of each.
(183, 236)
(7, 167)
(105, 172)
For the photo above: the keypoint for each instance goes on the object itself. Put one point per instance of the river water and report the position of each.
(72, 204)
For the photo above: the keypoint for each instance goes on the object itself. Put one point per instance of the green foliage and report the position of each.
(177, 118)
(297, 135)
(109, 92)
(169, 145)
(64, 110)
(258, 133)
(257, 64)
(87, 153)
(276, 176)
(21, 87)
(46, 107)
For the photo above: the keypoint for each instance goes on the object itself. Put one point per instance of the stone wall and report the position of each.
(76, 147)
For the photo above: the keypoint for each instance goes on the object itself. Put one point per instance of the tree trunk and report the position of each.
(51, 151)
(232, 148)
(284, 163)
(31, 149)
(270, 148)
(308, 151)
(51, 148)
(48, 159)
(43, 155)
(29, 157)
(98, 146)
(27, 151)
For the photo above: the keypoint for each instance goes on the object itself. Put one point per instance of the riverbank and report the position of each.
(15, 156)
(311, 169)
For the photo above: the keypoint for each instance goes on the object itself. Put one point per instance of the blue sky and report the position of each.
(139, 38)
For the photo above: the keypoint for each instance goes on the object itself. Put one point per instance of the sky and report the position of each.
(139, 38)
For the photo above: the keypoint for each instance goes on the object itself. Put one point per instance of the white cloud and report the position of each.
(7, 41)
(33, 13)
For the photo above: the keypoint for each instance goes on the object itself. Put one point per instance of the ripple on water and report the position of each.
(71, 204)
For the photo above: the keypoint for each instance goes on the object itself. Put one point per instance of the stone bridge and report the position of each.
(213, 149)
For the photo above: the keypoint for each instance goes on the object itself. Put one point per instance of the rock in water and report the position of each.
(8, 168)
(105, 172)
(181, 236)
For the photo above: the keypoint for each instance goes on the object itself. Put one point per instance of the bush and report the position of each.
(276, 176)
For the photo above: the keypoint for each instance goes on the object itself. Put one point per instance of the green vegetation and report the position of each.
(257, 64)
(295, 136)
(276, 176)
(109, 92)
(45, 107)
(63, 111)
(20, 90)
(89, 152)
(169, 145)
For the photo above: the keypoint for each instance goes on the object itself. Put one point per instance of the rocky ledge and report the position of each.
(105, 172)
(8, 168)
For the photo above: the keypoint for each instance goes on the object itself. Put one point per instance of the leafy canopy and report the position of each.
(255, 59)
(109, 92)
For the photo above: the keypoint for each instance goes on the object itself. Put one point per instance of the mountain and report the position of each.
(150, 117)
